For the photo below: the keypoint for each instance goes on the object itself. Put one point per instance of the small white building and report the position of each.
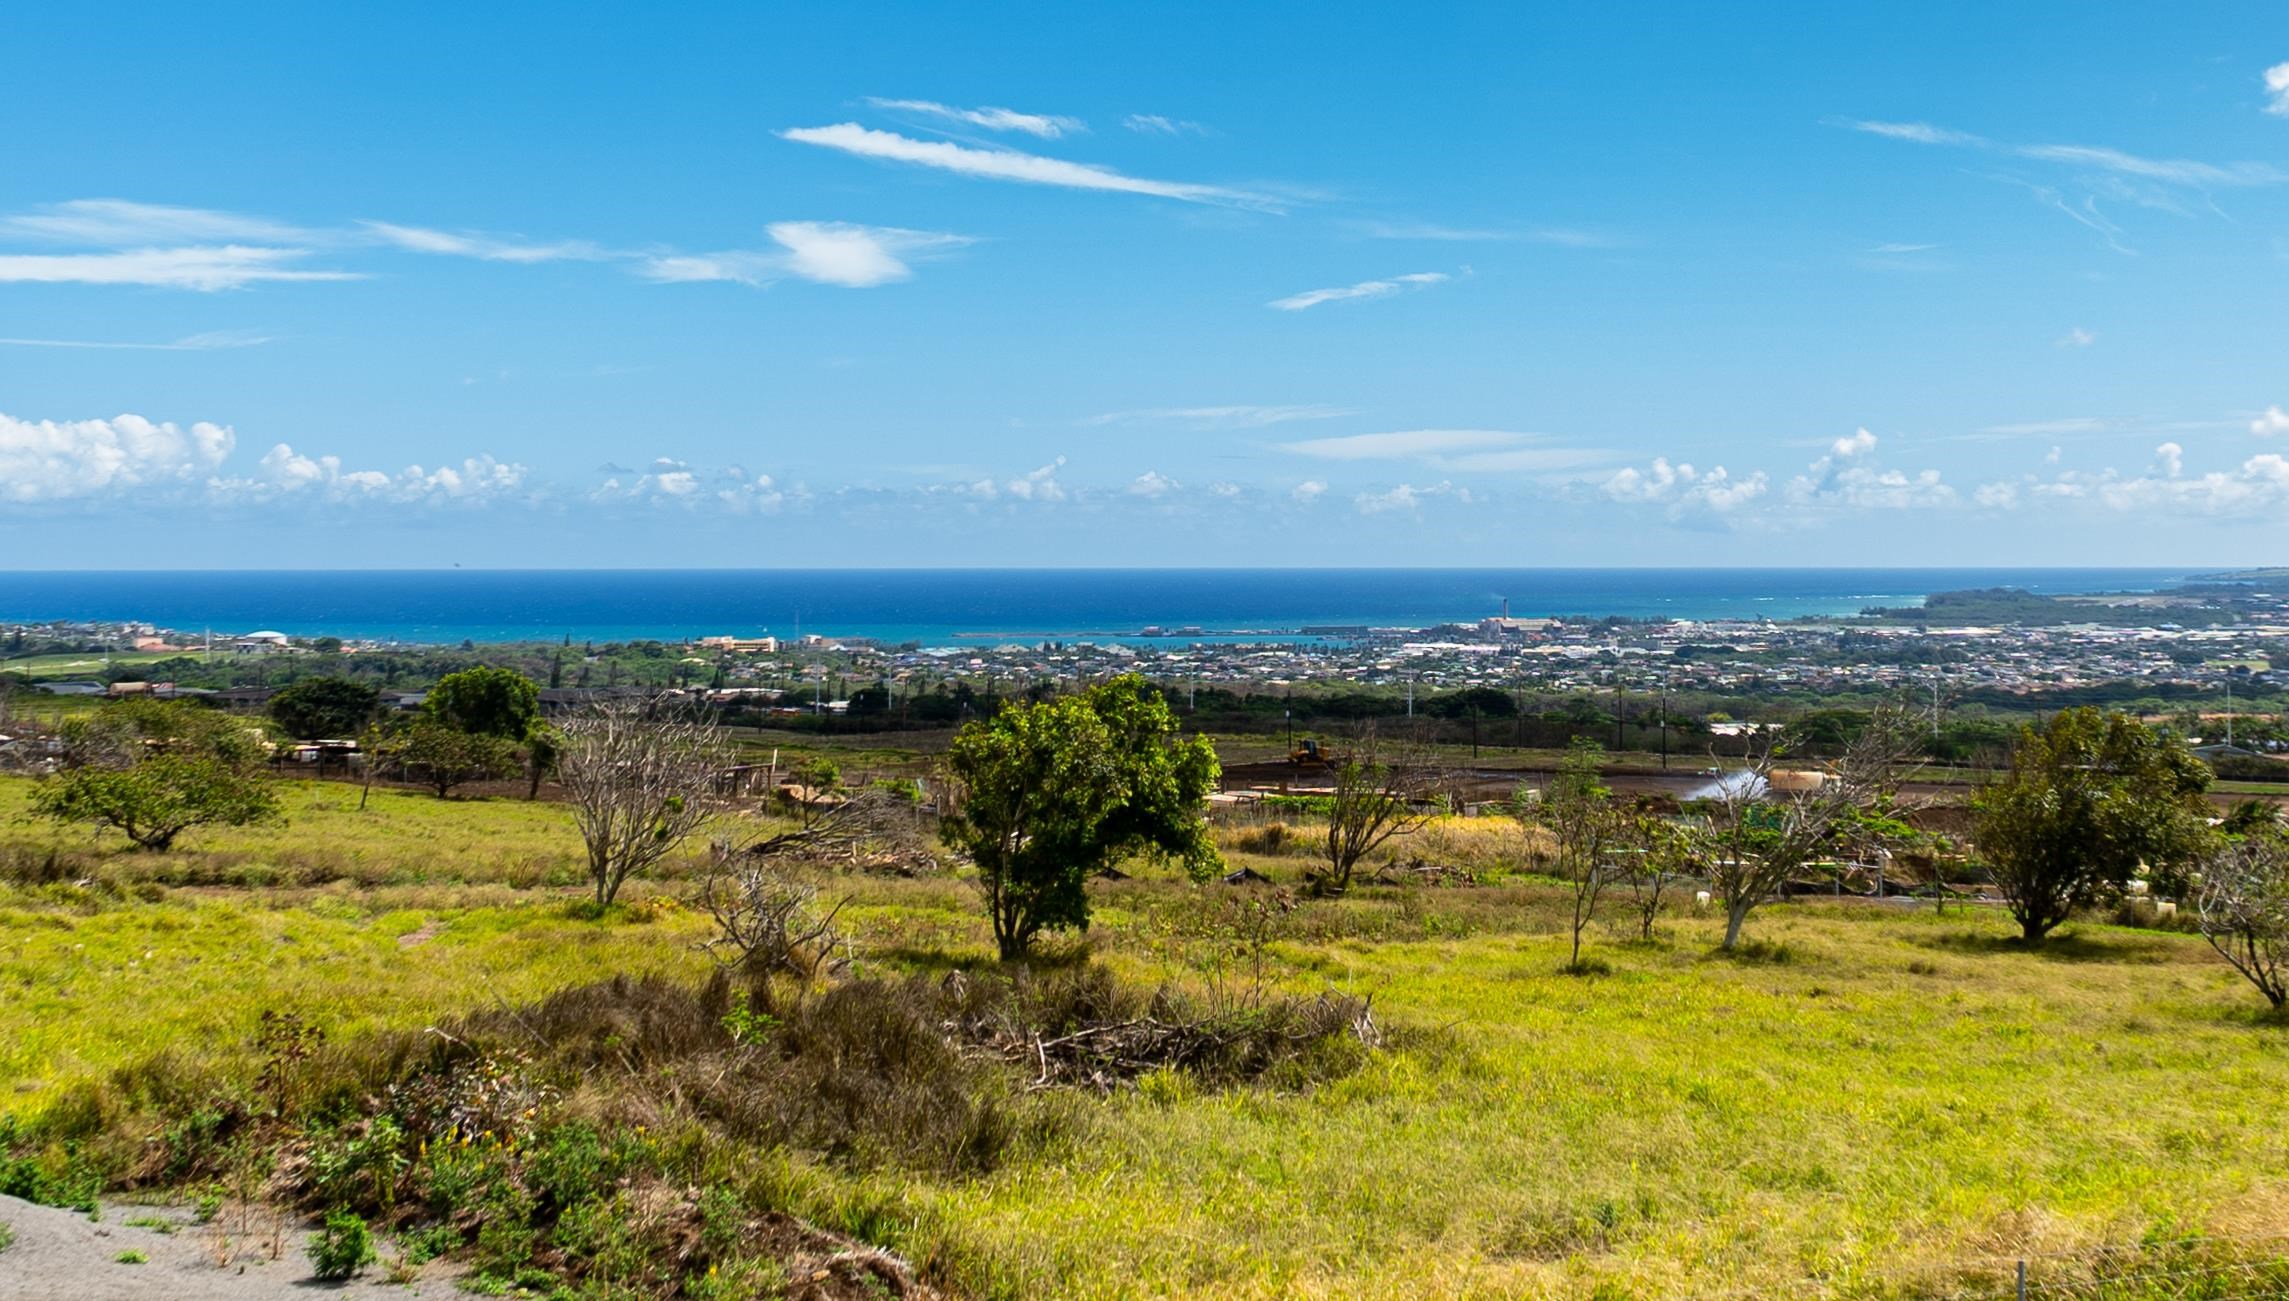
(265, 642)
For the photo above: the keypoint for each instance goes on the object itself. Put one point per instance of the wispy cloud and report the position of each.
(1433, 232)
(2095, 158)
(1012, 165)
(1048, 126)
(1364, 289)
(1404, 444)
(824, 252)
(420, 239)
(207, 342)
(2277, 90)
(120, 222)
(207, 269)
(2077, 337)
(1153, 124)
(120, 235)
(1902, 250)
(1241, 416)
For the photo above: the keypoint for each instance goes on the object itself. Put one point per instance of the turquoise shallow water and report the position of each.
(949, 607)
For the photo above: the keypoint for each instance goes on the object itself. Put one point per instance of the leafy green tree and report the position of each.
(441, 756)
(486, 701)
(2086, 799)
(324, 707)
(158, 798)
(1057, 790)
(122, 732)
(153, 769)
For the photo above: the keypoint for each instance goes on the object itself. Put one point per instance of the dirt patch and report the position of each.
(61, 1255)
(430, 930)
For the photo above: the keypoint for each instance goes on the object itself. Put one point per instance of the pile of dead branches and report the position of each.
(1084, 1029)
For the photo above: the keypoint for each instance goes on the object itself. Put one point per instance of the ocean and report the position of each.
(966, 607)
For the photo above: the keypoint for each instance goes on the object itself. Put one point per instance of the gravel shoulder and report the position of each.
(60, 1255)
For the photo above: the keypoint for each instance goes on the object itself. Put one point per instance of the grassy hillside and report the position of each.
(1876, 1102)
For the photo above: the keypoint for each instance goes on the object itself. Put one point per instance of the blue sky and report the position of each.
(807, 285)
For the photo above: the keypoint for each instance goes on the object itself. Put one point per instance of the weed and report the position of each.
(343, 1248)
(131, 1257)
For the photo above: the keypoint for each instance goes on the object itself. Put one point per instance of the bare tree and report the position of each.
(1579, 811)
(1380, 792)
(768, 921)
(875, 826)
(1767, 821)
(2244, 906)
(639, 785)
(1656, 850)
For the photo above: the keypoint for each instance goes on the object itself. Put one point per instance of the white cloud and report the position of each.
(419, 239)
(1407, 497)
(1040, 485)
(202, 268)
(839, 253)
(1307, 492)
(1010, 165)
(1403, 444)
(51, 460)
(2277, 90)
(208, 342)
(2077, 338)
(2271, 422)
(1364, 289)
(1922, 133)
(1684, 489)
(1996, 496)
(824, 252)
(1152, 483)
(288, 473)
(1844, 478)
(1241, 416)
(1153, 124)
(2172, 458)
(2257, 488)
(1047, 126)
(1224, 489)
(115, 223)
(1901, 250)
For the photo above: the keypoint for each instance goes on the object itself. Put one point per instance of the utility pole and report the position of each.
(1664, 706)
(1617, 713)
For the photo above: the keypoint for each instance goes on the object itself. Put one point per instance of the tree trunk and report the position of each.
(1735, 916)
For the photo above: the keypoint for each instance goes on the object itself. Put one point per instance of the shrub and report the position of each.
(343, 1248)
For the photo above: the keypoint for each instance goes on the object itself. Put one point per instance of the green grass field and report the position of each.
(1880, 1102)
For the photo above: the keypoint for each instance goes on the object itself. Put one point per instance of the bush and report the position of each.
(343, 1248)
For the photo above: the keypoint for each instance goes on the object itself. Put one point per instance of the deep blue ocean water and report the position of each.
(953, 607)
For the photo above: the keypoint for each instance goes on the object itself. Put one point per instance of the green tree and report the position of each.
(2086, 799)
(486, 701)
(1054, 791)
(158, 798)
(324, 707)
(1579, 811)
(441, 756)
(153, 769)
